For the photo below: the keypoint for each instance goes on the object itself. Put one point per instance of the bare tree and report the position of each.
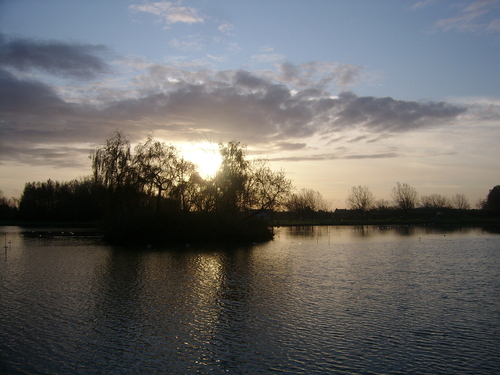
(306, 201)
(404, 196)
(460, 202)
(481, 204)
(383, 204)
(435, 201)
(360, 198)
(267, 189)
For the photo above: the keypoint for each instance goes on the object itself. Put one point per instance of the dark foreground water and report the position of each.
(341, 300)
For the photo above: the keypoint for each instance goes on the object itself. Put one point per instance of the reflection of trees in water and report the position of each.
(192, 303)
(230, 289)
(117, 295)
(306, 230)
(331, 233)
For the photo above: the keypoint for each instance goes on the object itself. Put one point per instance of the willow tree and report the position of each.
(114, 175)
(244, 187)
(112, 162)
(155, 164)
(231, 179)
(184, 188)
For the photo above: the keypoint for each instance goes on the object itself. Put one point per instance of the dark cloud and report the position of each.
(289, 72)
(246, 79)
(81, 61)
(255, 109)
(388, 114)
(38, 127)
(27, 96)
(60, 156)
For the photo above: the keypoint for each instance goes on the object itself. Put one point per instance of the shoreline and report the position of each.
(96, 226)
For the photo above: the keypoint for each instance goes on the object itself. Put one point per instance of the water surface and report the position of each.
(347, 300)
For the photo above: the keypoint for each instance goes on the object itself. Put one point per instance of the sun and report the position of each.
(206, 157)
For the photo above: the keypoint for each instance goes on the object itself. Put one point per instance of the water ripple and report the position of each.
(347, 305)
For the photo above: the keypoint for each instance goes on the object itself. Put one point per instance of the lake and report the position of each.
(315, 300)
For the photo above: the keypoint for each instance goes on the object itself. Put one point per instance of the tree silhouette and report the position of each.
(493, 199)
(161, 171)
(435, 201)
(112, 163)
(360, 198)
(460, 202)
(306, 202)
(404, 196)
(267, 190)
(59, 201)
(115, 178)
(8, 207)
(231, 179)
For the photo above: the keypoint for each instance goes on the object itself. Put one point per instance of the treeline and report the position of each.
(405, 198)
(9, 207)
(60, 201)
(153, 191)
(154, 186)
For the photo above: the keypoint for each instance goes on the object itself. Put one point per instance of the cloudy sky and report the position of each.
(336, 93)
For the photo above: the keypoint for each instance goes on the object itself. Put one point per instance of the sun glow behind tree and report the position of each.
(205, 156)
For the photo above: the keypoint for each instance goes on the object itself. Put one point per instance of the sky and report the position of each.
(336, 93)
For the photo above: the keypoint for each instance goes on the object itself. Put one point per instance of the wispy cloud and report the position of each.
(335, 156)
(320, 74)
(170, 12)
(217, 58)
(226, 28)
(480, 16)
(192, 43)
(268, 57)
(266, 49)
(288, 146)
(234, 47)
(423, 4)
